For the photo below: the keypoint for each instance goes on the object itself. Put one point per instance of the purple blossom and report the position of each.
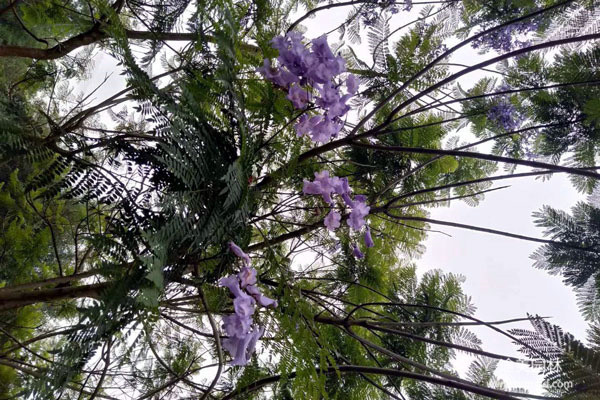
(339, 108)
(341, 185)
(243, 305)
(262, 300)
(324, 64)
(330, 95)
(247, 276)
(322, 185)
(347, 199)
(352, 84)
(306, 124)
(326, 184)
(311, 187)
(356, 219)
(255, 334)
(293, 55)
(332, 220)
(356, 252)
(331, 101)
(279, 77)
(505, 115)
(298, 96)
(321, 49)
(368, 238)
(242, 348)
(236, 325)
(240, 253)
(232, 283)
(504, 39)
(238, 348)
(311, 70)
(325, 130)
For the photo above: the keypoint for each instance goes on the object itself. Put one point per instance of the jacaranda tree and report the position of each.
(242, 222)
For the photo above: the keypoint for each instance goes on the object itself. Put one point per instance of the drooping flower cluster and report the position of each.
(505, 39)
(504, 114)
(308, 76)
(325, 186)
(242, 333)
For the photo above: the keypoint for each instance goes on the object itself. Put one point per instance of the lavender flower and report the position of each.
(306, 124)
(360, 198)
(356, 252)
(238, 326)
(279, 77)
(325, 130)
(352, 84)
(261, 299)
(232, 283)
(329, 95)
(347, 199)
(360, 210)
(368, 238)
(238, 252)
(325, 186)
(302, 71)
(242, 348)
(332, 221)
(505, 115)
(503, 39)
(255, 334)
(238, 348)
(298, 96)
(243, 305)
(247, 276)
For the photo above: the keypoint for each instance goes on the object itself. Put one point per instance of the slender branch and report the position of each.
(378, 371)
(39, 374)
(502, 57)
(465, 183)
(94, 35)
(481, 156)
(444, 55)
(48, 282)
(486, 230)
(215, 329)
(13, 300)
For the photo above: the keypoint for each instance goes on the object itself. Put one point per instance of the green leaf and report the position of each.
(448, 164)
(592, 111)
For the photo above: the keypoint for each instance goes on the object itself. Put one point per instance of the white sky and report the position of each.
(500, 277)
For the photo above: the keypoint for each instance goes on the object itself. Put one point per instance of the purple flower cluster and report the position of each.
(370, 15)
(505, 115)
(243, 334)
(325, 186)
(503, 40)
(302, 72)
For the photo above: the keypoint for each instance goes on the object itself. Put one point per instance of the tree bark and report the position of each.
(94, 35)
(12, 300)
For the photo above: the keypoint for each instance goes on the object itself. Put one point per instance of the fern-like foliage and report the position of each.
(570, 368)
(575, 254)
